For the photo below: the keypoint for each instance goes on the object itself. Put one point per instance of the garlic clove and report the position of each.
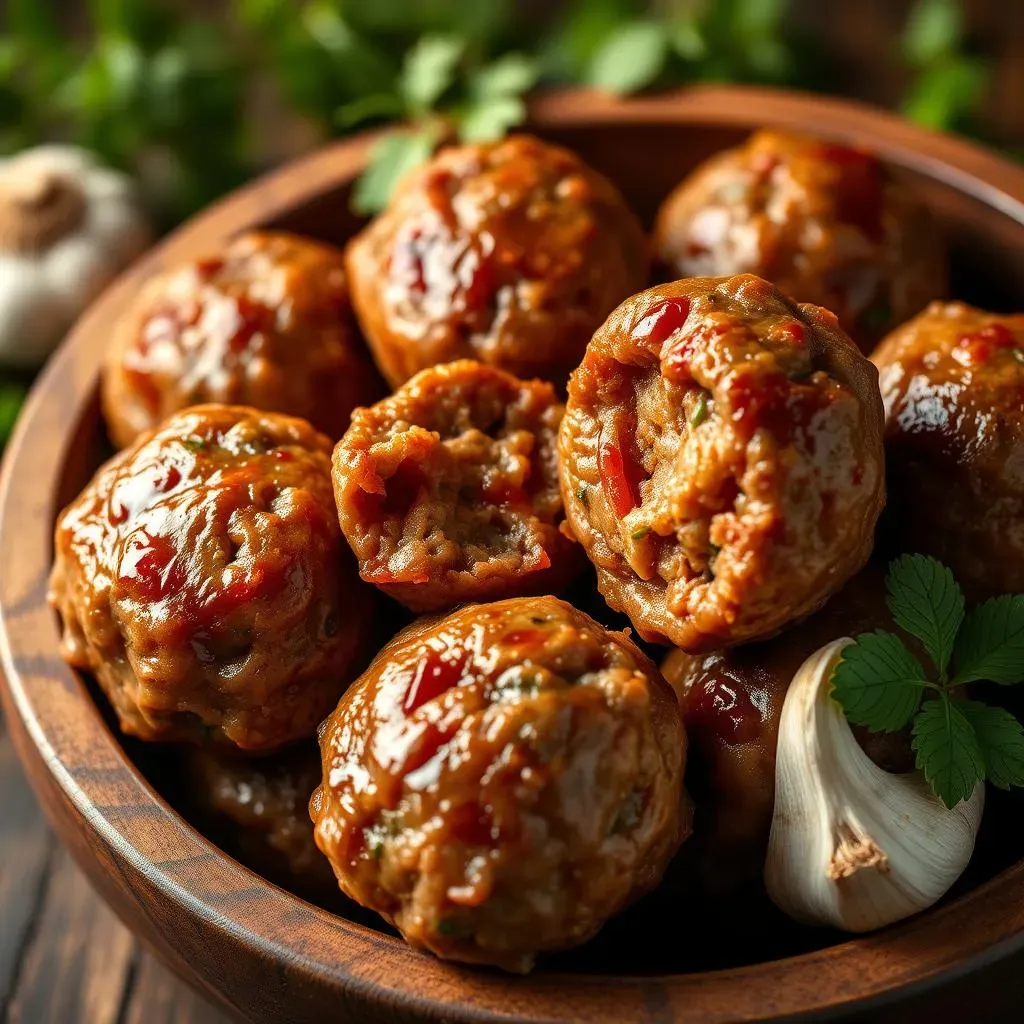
(853, 846)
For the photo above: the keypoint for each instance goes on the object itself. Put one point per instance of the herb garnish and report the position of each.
(640, 533)
(881, 685)
(700, 410)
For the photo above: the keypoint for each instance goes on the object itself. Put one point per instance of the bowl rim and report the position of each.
(102, 786)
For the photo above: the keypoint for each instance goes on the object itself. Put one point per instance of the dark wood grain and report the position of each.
(262, 952)
(158, 997)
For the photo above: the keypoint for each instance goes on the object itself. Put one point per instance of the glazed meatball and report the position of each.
(260, 810)
(202, 577)
(501, 781)
(448, 490)
(952, 382)
(268, 324)
(510, 252)
(824, 223)
(721, 460)
(732, 703)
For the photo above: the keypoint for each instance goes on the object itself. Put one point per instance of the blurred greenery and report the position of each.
(193, 98)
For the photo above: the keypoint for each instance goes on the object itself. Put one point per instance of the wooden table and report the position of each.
(64, 957)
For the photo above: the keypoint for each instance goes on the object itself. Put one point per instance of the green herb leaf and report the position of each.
(878, 682)
(926, 601)
(429, 70)
(933, 30)
(12, 396)
(364, 108)
(491, 118)
(640, 533)
(945, 94)
(511, 75)
(630, 59)
(700, 410)
(686, 38)
(391, 158)
(1001, 738)
(947, 750)
(991, 643)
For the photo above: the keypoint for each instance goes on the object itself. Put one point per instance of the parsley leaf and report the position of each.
(947, 750)
(491, 118)
(390, 159)
(878, 682)
(927, 602)
(1001, 738)
(430, 69)
(991, 643)
(631, 58)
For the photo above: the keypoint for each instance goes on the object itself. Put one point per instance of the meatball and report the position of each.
(202, 577)
(501, 781)
(952, 381)
(448, 490)
(732, 702)
(259, 808)
(824, 223)
(721, 460)
(268, 323)
(510, 252)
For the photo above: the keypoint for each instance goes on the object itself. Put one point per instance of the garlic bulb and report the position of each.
(67, 227)
(853, 846)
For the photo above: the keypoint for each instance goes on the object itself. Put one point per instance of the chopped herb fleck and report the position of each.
(538, 620)
(582, 496)
(446, 926)
(700, 411)
(194, 443)
(641, 533)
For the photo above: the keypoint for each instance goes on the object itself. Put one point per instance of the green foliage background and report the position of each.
(194, 98)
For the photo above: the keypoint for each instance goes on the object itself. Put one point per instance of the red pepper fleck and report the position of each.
(771, 401)
(434, 675)
(251, 318)
(979, 346)
(407, 261)
(722, 710)
(477, 280)
(168, 480)
(662, 320)
(282, 455)
(793, 331)
(618, 480)
(118, 513)
(207, 268)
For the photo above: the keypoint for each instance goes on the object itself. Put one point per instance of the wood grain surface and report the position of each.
(64, 956)
(261, 952)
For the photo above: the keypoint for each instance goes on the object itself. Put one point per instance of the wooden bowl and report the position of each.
(268, 955)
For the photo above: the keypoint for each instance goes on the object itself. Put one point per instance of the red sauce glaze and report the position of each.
(477, 280)
(407, 261)
(283, 455)
(860, 190)
(434, 675)
(151, 569)
(979, 347)
(724, 711)
(168, 479)
(663, 320)
(251, 318)
(471, 824)
(619, 478)
(793, 331)
(520, 637)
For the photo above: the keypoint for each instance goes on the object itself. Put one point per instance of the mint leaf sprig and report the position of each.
(881, 685)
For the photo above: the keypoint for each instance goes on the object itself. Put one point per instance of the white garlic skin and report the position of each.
(43, 292)
(852, 846)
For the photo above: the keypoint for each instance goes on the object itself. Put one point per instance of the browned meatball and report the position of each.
(510, 252)
(824, 223)
(202, 577)
(952, 381)
(732, 702)
(260, 808)
(267, 323)
(448, 490)
(501, 781)
(721, 460)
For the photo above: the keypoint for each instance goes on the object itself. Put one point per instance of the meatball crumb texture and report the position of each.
(266, 323)
(721, 460)
(201, 576)
(447, 490)
(510, 252)
(500, 782)
(825, 223)
(952, 381)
